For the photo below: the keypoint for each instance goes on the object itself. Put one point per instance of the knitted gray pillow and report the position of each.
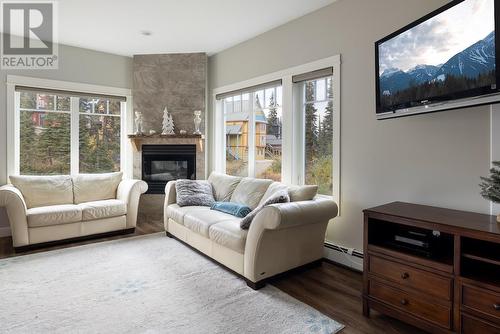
(278, 197)
(194, 193)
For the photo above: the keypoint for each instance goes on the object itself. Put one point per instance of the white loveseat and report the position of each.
(281, 237)
(43, 209)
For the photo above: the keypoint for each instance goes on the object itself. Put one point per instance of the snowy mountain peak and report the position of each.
(423, 70)
(419, 67)
(390, 71)
(479, 58)
(490, 38)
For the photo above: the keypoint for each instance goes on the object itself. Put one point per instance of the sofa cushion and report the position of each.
(103, 209)
(200, 221)
(194, 193)
(44, 190)
(223, 185)
(229, 234)
(54, 215)
(250, 191)
(302, 193)
(273, 189)
(95, 187)
(177, 213)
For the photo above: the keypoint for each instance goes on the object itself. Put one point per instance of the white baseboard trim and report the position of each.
(5, 231)
(339, 255)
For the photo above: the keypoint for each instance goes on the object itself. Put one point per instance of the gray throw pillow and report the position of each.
(194, 193)
(278, 197)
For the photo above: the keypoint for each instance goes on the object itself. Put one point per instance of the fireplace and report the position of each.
(163, 163)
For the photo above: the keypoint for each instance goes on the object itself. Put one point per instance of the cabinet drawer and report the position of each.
(472, 326)
(410, 277)
(413, 304)
(482, 300)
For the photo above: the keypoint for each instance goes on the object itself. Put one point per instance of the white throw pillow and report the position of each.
(302, 193)
(250, 191)
(44, 190)
(96, 187)
(273, 189)
(280, 196)
(223, 185)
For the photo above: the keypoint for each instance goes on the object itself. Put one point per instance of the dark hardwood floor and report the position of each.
(331, 289)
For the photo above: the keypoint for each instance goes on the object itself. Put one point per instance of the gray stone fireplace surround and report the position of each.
(178, 82)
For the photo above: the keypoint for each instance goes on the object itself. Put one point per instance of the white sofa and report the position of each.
(281, 237)
(44, 209)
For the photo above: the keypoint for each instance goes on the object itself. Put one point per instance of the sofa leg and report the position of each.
(168, 234)
(256, 285)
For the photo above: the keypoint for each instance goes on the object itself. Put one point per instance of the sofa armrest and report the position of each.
(170, 198)
(170, 193)
(130, 192)
(285, 236)
(285, 215)
(13, 201)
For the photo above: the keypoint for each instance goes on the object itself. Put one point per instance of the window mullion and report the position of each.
(251, 138)
(219, 149)
(16, 169)
(75, 135)
(124, 145)
(288, 156)
(301, 136)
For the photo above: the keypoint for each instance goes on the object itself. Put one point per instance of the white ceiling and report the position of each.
(210, 26)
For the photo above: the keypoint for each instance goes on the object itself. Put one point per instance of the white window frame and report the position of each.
(292, 149)
(13, 114)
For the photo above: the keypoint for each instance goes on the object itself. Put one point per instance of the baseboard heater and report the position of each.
(337, 248)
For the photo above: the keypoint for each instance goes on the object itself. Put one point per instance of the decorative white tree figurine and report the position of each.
(168, 123)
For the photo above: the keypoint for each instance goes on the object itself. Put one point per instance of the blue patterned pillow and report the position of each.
(235, 209)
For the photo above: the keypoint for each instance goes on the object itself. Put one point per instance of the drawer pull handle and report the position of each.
(405, 302)
(496, 306)
(405, 275)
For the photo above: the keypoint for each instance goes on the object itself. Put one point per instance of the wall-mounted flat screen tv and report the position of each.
(446, 60)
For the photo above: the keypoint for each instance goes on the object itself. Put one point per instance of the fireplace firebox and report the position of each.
(163, 163)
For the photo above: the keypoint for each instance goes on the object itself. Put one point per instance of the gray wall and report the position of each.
(431, 159)
(77, 65)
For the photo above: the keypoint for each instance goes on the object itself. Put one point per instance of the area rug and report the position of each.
(147, 284)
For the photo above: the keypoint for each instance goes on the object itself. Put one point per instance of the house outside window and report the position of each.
(253, 132)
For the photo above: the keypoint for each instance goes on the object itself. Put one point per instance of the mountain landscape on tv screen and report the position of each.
(471, 68)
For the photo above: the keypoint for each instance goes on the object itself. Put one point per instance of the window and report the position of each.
(45, 122)
(237, 110)
(317, 109)
(253, 132)
(99, 135)
(283, 126)
(64, 133)
(268, 134)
